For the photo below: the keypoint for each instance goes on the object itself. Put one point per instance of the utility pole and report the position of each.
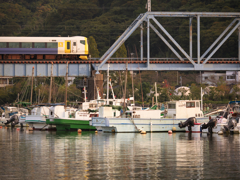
(149, 5)
(156, 94)
(125, 88)
(32, 85)
(50, 91)
(18, 100)
(66, 85)
(108, 84)
(38, 96)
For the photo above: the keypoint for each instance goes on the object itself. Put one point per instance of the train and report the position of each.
(44, 48)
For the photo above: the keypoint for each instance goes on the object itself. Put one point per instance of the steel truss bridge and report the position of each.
(183, 62)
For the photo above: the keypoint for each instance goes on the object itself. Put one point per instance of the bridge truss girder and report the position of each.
(201, 60)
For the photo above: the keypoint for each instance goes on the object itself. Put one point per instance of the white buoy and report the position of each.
(143, 132)
(220, 133)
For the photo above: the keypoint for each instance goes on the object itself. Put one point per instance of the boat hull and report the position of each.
(136, 125)
(67, 124)
(220, 127)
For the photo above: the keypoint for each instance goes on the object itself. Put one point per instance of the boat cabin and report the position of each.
(184, 109)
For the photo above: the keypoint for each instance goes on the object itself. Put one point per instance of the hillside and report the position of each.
(105, 20)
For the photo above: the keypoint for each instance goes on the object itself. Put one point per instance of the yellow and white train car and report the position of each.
(52, 48)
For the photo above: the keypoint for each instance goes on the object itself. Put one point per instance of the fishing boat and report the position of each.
(228, 122)
(66, 119)
(149, 120)
(37, 119)
(11, 111)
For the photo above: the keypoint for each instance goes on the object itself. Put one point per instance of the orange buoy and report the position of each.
(169, 132)
(0, 127)
(30, 129)
(79, 131)
(18, 129)
(96, 131)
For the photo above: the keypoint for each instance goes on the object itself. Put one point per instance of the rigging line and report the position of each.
(69, 91)
(22, 89)
(26, 88)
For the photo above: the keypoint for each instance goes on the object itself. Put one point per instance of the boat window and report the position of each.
(51, 113)
(3, 44)
(27, 45)
(82, 42)
(197, 104)
(114, 114)
(74, 43)
(171, 106)
(128, 115)
(195, 115)
(14, 45)
(190, 104)
(198, 115)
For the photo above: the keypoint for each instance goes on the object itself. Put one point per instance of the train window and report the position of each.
(3, 44)
(14, 45)
(68, 45)
(39, 45)
(52, 45)
(82, 42)
(26, 45)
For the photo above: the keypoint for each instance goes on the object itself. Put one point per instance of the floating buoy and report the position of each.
(30, 129)
(220, 132)
(174, 129)
(5, 127)
(18, 129)
(0, 127)
(79, 131)
(96, 131)
(113, 130)
(169, 132)
(143, 132)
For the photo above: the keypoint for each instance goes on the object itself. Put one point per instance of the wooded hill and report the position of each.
(105, 20)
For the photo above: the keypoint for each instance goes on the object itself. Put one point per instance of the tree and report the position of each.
(93, 50)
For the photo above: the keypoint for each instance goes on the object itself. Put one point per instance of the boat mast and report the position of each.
(108, 84)
(50, 92)
(125, 88)
(133, 90)
(32, 85)
(66, 85)
(156, 94)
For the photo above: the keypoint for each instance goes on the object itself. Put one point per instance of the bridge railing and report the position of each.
(134, 60)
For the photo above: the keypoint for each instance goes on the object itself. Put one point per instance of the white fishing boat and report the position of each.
(9, 112)
(37, 119)
(149, 120)
(229, 121)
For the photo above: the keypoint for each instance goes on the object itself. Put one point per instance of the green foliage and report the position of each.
(93, 50)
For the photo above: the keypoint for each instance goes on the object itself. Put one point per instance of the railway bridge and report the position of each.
(183, 62)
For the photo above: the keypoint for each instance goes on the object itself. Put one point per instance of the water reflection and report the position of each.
(89, 155)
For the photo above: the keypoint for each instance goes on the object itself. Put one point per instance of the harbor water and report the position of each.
(89, 155)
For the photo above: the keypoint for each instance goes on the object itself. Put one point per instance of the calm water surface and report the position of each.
(69, 155)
